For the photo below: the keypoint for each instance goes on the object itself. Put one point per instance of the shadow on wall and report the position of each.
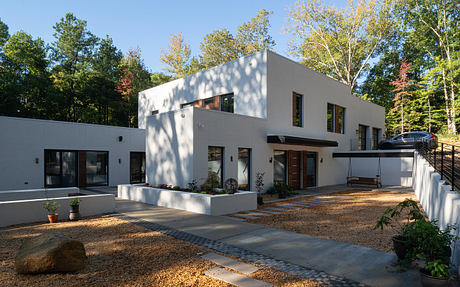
(244, 77)
(169, 150)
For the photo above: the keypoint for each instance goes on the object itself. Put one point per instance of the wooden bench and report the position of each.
(364, 180)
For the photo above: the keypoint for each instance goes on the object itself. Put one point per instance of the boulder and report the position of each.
(50, 252)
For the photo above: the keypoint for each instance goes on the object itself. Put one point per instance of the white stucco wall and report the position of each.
(23, 140)
(169, 148)
(246, 77)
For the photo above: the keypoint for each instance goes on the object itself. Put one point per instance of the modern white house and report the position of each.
(41, 153)
(260, 113)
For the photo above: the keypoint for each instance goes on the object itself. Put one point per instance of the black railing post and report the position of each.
(453, 167)
(435, 158)
(442, 160)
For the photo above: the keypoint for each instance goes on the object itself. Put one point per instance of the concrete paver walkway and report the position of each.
(354, 262)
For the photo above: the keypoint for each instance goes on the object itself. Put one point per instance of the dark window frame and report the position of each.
(222, 162)
(86, 174)
(297, 109)
(227, 107)
(335, 118)
(154, 112)
(285, 177)
(362, 140)
(143, 178)
(209, 101)
(249, 165)
(375, 139)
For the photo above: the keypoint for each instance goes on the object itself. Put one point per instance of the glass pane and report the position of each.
(96, 168)
(311, 169)
(362, 137)
(330, 117)
(215, 161)
(69, 168)
(340, 119)
(298, 110)
(244, 168)
(137, 167)
(52, 168)
(227, 103)
(279, 166)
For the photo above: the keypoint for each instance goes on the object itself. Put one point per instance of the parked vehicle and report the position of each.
(410, 140)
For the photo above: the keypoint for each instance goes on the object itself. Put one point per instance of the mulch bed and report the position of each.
(349, 220)
(123, 254)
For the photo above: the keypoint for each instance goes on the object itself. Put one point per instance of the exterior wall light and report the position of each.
(270, 160)
(119, 160)
(37, 160)
(231, 158)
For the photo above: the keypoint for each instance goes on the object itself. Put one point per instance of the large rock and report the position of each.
(50, 252)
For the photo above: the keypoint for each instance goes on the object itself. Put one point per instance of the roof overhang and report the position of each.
(291, 140)
(374, 153)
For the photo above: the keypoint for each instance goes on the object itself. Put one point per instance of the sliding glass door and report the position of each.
(97, 168)
(60, 168)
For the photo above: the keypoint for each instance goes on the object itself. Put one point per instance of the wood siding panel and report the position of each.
(294, 168)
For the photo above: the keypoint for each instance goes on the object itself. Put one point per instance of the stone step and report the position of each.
(258, 213)
(235, 278)
(247, 216)
(230, 263)
(270, 212)
(277, 209)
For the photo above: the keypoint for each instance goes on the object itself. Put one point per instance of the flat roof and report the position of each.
(291, 140)
(375, 153)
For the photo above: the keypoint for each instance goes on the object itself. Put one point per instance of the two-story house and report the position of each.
(260, 113)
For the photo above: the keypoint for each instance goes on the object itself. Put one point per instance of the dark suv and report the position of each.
(410, 140)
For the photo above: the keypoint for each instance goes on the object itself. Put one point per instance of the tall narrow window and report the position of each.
(297, 109)
(227, 103)
(136, 167)
(362, 138)
(335, 119)
(216, 162)
(244, 168)
(375, 138)
(279, 166)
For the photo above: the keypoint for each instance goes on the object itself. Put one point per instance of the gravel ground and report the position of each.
(349, 220)
(123, 254)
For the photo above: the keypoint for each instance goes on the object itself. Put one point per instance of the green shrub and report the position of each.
(75, 202)
(51, 206)
(437, 269)
(176, 187)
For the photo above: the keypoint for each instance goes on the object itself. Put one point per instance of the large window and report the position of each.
(362, 137)
(226, 103)
(97, 167)
(279, 166)
(335, 119)
(244, 168)
(297, 110)
(60, 168)
(216, 162)
(375, 138)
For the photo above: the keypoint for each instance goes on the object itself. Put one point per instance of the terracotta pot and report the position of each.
(430, 281)
(400, 246)
(53, 218)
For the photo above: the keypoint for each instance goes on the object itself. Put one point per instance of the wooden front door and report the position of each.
(294, 168)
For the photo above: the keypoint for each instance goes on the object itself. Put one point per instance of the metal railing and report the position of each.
(445, 160)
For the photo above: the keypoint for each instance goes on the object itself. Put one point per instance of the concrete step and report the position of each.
(235, 278)
(230, 263)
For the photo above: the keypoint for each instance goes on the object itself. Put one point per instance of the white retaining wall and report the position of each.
(24, 194)
(27, 211)
(193, 202)
(437, 199)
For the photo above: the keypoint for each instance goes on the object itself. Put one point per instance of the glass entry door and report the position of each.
(60, 168)
(310, 178)
(137, 167)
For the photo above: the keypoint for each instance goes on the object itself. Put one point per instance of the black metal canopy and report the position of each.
(290, 140)
(374, 153)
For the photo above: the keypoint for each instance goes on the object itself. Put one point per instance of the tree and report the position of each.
(219, 47)
(72, 52)
(253, 36)
(402, 85)
(159, 78)
(177, 57)
(4, 35)
(434, 26)
(336, 42)
(134, 78)
(25, 88)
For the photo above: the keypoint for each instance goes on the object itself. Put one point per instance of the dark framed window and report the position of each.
(186, 105)
(61, 168)
(226, 103)
(362, 137)
(97, 168)
(216, 162)
(244, 168)
(208, 101)
(297, 110)
(136, 167)
(375, 138)
(154, 112)
(335, 119)
(279, 166)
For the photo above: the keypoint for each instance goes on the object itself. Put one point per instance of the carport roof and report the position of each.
(292, 140)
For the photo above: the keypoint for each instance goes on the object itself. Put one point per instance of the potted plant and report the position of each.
(260, 187)
(74, 209)
(51, 207)
(392, 217)
(435, 274)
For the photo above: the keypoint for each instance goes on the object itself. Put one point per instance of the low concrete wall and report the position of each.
(437, 199)
(23, 194)
(194, 202)
(27, 211)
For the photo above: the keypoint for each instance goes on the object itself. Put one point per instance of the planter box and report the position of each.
(194, 202)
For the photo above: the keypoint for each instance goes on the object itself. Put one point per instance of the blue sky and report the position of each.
(148, 24)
